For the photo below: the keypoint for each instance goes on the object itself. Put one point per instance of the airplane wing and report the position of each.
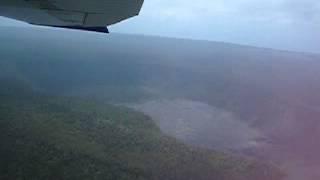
(92, 15)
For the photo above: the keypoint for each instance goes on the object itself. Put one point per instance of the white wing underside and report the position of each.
(84, 13)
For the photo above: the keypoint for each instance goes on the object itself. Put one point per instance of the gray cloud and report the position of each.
(281, 24)
(308, 10)
(281, 10)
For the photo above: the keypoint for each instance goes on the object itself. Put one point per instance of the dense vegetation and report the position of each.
(50, 137)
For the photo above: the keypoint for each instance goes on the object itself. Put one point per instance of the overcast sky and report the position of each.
(280, 24)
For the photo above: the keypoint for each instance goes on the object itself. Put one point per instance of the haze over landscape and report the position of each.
(208, 90)
(252, 103)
